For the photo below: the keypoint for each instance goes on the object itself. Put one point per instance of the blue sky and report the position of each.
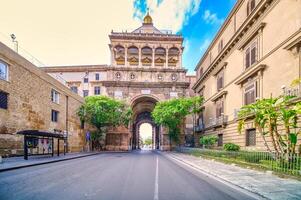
(198, 29)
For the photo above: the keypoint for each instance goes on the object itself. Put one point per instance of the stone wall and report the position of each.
(29, 105)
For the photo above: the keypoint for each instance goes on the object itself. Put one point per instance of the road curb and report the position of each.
(60, 160)
(216, 177)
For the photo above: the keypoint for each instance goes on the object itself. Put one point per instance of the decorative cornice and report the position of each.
(219, 95)
(97, 68)
(295, 44)
(146, 36)
(246, 41)
(234, 40)
(250, 72)
(223, 66)
(144, 84)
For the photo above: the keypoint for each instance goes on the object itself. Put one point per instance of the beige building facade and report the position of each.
(146, 68)
(256, 54)
(30, 99)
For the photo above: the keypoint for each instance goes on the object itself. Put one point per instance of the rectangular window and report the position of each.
(220, 80)
(251, 137)
(3, 71)
(220, 140)
(219, 108)
(74, 89)
(251, 54)
(97, 90)
(3, 100)
(54, 115)
(97, 77)
(250, 93)
(86, 80)
(55, 96)
(85, 93)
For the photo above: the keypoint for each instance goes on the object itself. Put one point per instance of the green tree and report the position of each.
(103, 112)
(172, 113)
(208, 141)
(270, 115)
(148, 141)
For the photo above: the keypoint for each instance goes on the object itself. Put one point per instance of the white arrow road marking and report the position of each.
(156, 193)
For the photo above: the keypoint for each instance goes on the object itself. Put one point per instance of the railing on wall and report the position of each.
(281, 163)
(291, 91)
(218, 121)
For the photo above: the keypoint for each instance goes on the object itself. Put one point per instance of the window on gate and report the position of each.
(220, 140)
(97, 77)
(96, 90)
(3, 100)
(251, 137)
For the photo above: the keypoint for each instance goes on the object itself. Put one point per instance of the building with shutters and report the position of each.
(255, 54)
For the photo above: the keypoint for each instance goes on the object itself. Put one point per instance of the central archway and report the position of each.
(142, 107)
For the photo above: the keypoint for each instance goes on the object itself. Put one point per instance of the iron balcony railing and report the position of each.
(218, 121)
(291, 91)
(199, 128)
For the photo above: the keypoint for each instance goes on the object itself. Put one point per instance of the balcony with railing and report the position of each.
(291, 91)
(217, 121)
(199, 128)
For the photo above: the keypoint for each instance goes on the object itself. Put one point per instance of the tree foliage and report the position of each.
(103, 112)
(171, 113)
(271, 116)
(208, 140)
(148, 141)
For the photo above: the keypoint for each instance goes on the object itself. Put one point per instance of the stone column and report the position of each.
(153, 57)
(166, 59)
(125, 55)
(180, 58)
(112, 55)
(139, 57)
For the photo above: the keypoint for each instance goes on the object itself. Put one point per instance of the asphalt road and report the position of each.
(144, 175)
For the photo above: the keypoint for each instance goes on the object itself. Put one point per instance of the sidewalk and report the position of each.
(19, 162)
(264, 184)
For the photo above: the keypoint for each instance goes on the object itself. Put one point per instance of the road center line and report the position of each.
(156, 193)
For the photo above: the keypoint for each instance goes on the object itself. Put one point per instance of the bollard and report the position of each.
(1, 159)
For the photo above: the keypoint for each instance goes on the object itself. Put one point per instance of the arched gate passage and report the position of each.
(142, 108)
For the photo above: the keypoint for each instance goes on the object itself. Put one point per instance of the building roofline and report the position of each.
(220, 31)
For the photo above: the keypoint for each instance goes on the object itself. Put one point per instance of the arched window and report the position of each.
(160, 51)
(146, 51)
(173, 51)
(132, 50)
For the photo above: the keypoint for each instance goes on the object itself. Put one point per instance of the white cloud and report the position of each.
(171, 14)
(205, 45)
(211, 18)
